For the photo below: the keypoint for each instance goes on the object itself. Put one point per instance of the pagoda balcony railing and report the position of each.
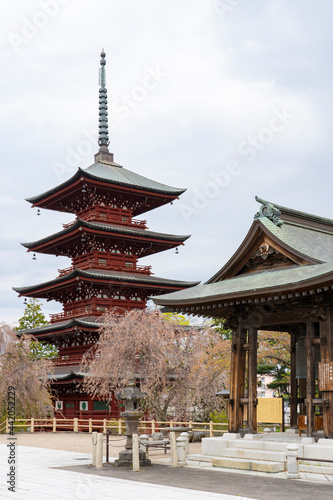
(76, 312)
(93, 310)
(101, 214)
(68, 359)
(107, 264)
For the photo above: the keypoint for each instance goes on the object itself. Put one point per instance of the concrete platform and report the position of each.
(265, 452)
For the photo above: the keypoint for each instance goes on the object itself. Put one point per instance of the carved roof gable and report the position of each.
(266, 257)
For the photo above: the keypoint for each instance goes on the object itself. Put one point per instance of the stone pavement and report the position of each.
(45, 473)
(40, 478)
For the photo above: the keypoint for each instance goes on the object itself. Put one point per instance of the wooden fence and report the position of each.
(116, 426)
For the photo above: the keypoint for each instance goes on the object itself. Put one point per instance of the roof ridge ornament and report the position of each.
(269, 211)
(103, 128)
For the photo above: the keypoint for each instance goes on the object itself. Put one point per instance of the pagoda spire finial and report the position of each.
(103, 132)
(103, 128)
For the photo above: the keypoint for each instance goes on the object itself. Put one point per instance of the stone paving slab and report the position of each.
(39, 479)
(212, 481)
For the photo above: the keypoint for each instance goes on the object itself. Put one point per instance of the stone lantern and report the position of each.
(131, 395)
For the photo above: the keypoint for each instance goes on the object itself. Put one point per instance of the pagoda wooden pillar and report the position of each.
(326, 356)
(293, 382)
(252, 380)
(310, 377)
(237, 379)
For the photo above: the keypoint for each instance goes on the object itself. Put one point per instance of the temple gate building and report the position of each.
(104, 243)
(279, 279)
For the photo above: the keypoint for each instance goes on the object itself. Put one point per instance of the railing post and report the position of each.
(181, 450)
(144, 441)
(7, 426)
(104, 426)
(90, 425)
(211, 433)
(107, 446)
(99, 451)
(152, 426)
(292, 462)
(171, 424)
(76, 424)
(119, 427)
(32, 425)
(54, 425)
(173, 449)
(94, 442)
(135, 453)
(186, 436)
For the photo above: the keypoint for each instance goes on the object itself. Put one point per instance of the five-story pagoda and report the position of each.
(104, 243)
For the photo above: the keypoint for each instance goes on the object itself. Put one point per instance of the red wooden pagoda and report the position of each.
(104, 243)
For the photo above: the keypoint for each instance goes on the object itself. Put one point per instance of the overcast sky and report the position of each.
(228, 98)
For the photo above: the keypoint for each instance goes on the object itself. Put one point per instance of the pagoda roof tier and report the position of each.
(140, 242)
(51, 329)
(66, 374)
(109, 183)
(108, 281)
(286, 254)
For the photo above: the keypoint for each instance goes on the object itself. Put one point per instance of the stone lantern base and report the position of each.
(126, 459)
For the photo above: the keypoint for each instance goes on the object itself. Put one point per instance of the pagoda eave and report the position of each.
(76, 192)
(63, 327)
(143, 242)
(106, 281)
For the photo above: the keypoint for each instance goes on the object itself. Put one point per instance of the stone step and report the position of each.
(273, 456)
(321, 468)
(259, 444)
(243, 464)
(199, 460)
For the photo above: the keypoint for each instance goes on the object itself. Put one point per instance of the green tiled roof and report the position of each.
(120, 175)
(67, 375)
(134, 278)
(61, 325)
(250, 284)
(301, 215)
(314, 243)
(111, 228)
(301, 234)
(113, 173)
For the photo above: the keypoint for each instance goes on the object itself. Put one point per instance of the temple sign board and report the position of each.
(325, 376)
(270, 410)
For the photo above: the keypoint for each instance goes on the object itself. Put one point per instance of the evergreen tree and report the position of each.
(32, 316)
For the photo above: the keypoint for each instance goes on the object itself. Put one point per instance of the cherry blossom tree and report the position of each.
(26, 373)
(178, 366)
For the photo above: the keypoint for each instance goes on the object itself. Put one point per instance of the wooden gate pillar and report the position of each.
(310, 377)
(252, 380)
(237, 378)
(326, 356)
(293, 382)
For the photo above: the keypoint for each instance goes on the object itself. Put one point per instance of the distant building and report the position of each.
(263, 390)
